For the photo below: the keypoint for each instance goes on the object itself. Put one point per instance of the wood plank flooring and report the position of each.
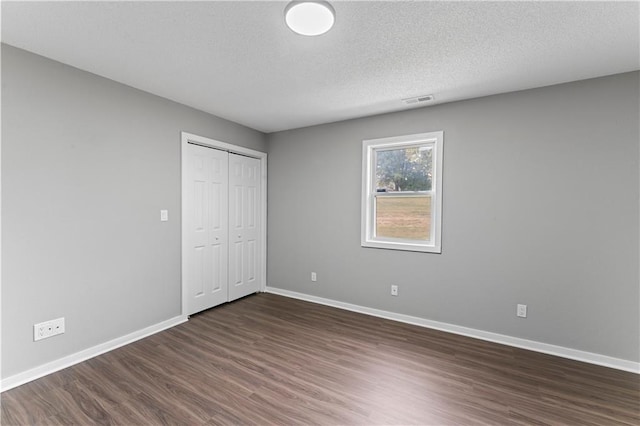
(267, 360)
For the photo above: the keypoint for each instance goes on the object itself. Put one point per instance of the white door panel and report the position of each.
(244, 225)
(222, 229)
(206, 227)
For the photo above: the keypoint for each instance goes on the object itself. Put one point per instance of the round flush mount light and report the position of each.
(309, 18)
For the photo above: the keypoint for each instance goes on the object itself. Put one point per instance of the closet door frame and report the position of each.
(189, 138)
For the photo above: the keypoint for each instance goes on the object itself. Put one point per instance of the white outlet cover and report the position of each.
(47, 329)
(521, 311)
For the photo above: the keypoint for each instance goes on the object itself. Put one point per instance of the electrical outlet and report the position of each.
(394, 290)
(314, 277)
(522, 311)
(48, 329)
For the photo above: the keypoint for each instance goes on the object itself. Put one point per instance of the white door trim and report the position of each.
(187, 138)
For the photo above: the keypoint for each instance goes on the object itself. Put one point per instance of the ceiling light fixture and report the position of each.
(309, 18)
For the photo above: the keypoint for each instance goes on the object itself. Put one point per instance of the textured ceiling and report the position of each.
(239, 61)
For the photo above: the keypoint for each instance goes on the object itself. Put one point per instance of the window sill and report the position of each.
(402, 246)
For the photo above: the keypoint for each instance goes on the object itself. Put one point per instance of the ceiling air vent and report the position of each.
(418, 99)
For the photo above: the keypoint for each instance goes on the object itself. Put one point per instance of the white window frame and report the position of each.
(369, 194)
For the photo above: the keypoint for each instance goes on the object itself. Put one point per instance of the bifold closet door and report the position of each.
(207, 227)
(245, 254)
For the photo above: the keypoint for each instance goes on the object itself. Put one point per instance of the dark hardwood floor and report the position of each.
(269, 360)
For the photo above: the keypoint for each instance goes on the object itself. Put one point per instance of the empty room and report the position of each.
(320, 213)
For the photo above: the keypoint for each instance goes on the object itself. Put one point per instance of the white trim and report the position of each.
(212, 143)
(369, 147)
(76, 358)
(201, 140)
(532, 345)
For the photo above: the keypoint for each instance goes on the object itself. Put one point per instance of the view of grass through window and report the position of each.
(404, 217)
(406, 170)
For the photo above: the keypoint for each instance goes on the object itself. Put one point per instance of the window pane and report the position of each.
(404, 217)
(406, 169)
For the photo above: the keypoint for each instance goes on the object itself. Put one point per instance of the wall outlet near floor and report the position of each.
(314, 277)
(394, 290)
(522, 311)
(47, 329)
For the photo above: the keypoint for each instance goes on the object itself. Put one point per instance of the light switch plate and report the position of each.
(164, 215)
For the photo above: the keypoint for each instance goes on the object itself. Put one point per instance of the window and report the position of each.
(402, 192)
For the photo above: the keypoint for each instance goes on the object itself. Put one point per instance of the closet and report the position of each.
(222, 247)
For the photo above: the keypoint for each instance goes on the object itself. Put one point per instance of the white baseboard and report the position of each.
(69, 360)
(561, 351)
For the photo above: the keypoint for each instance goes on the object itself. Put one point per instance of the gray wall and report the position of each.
(540, 207)
(87, 164)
